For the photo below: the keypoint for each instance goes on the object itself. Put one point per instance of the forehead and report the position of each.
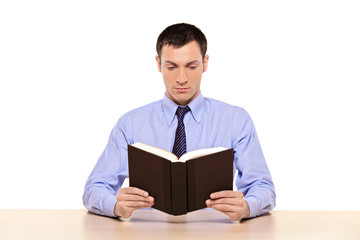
(187, 53)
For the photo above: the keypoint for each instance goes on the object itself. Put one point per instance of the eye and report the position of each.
(170, 68)
(193, 67)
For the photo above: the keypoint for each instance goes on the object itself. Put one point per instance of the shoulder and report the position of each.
(235, 118)
(146, 109)
(220, 107)
(140, 113)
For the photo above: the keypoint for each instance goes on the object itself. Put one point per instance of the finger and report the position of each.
(226, 194)
(137, 205)
(234, 213)
(131, 197)
(125, 208)
(228, 201)
(225, 208)
(134, 191)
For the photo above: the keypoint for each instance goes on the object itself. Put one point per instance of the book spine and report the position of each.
(179, 188)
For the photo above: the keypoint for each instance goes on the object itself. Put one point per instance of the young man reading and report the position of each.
(206, 123)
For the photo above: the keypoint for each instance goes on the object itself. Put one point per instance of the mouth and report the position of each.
(181, 89)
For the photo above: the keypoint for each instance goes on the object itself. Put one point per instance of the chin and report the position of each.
(182, 101)
(182, 98)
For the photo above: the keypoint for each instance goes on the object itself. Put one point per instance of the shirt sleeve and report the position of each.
(108, 174)
(253, 178)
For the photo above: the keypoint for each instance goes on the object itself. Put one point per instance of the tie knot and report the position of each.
(180, 112)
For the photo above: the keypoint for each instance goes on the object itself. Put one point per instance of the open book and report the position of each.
(180, 185)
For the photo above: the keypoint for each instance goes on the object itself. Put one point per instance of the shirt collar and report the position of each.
(197, 108)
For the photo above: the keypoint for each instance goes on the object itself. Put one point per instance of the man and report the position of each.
(208, 123)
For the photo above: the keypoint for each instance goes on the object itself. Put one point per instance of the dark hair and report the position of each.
(178, 35)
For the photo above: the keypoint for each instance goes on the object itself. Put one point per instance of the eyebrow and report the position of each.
(187, 64)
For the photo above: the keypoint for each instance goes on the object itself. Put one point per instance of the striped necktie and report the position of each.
(180, 139)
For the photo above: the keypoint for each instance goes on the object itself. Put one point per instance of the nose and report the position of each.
(182, 77)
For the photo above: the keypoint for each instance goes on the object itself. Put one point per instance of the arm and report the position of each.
(256, 194)
(253, 178)
(108, 175)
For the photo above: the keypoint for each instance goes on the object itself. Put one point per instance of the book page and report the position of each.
(157, 151)
(200, 152)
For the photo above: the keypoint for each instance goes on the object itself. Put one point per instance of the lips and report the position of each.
(181, 89)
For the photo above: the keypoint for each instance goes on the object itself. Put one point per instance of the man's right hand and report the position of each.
(130, 199)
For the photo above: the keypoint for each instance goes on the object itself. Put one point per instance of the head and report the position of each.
(182, 60)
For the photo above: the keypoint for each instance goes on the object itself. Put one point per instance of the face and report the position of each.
(182, 69)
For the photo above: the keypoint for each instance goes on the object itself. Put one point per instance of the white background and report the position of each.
(70, 69)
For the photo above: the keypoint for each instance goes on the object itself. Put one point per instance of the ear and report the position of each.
(158, 63)
(205, 63)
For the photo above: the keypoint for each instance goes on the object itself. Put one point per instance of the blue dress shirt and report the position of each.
(210, 123)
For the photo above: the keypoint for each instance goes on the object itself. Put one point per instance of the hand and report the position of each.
(130, 199)
(231, 203)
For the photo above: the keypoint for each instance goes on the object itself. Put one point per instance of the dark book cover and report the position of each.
(180, 187)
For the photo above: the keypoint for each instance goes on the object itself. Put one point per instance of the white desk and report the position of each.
(203, 224)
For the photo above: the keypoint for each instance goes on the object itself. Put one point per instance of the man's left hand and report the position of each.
(231, 203)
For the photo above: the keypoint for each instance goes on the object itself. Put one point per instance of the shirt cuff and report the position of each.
(108, 206)
(253, 207)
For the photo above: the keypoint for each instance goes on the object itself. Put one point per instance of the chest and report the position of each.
(209, 132)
